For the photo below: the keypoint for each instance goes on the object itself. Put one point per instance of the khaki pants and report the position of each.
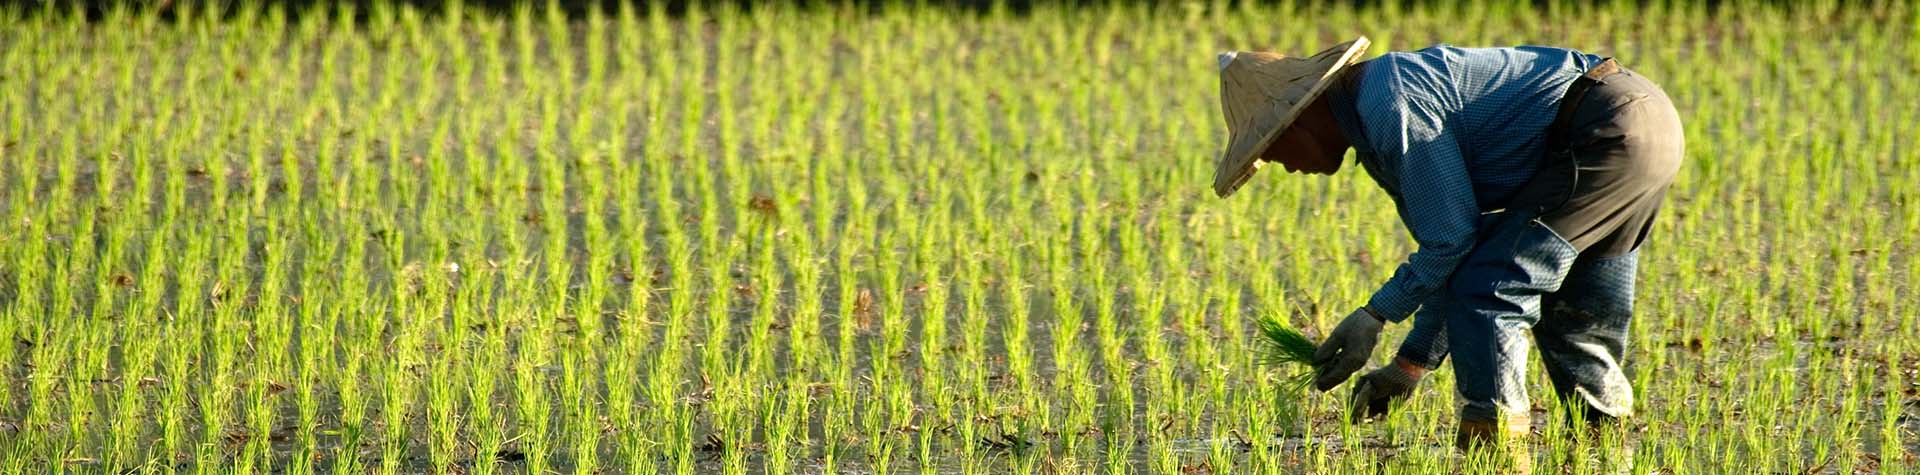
(1623, 145)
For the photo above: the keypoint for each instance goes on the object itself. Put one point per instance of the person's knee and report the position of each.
(1598, 288)
(1509, 275)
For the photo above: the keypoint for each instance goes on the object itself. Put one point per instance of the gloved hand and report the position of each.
(1347, 348)
(1377, 390)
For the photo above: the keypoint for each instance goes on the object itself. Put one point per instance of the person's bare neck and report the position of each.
(1319, 120)
(1344, 83)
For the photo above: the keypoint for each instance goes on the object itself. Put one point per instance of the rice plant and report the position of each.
(1287, 348)
(249, 237)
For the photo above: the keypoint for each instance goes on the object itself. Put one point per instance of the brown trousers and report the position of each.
(1621, 149)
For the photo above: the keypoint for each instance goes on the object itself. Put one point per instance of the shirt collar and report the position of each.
(1343, 97)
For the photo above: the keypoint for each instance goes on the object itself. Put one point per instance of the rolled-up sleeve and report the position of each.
(1436, 196)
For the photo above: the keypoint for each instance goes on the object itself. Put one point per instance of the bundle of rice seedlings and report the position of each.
(1281, 345)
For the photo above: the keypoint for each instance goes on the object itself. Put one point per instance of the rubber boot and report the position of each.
(1605, 439)
(1507, 446)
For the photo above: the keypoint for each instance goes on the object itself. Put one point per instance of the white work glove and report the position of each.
(1347, 348)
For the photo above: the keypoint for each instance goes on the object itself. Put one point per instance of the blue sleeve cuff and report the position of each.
(1392, 305)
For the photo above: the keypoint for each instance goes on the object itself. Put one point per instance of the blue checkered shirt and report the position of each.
(1450, 133)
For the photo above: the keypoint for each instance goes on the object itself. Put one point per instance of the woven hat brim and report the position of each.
(1241, 158)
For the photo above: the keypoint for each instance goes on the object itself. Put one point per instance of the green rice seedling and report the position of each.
(1282, 346)
(581, 411)
(487, 432)
(444, 421)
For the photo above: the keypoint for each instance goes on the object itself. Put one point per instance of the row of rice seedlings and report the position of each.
(542, 243)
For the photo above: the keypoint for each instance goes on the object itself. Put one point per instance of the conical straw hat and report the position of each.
(1262, 93)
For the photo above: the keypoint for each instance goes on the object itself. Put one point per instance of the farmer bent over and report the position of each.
(1528, 176)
